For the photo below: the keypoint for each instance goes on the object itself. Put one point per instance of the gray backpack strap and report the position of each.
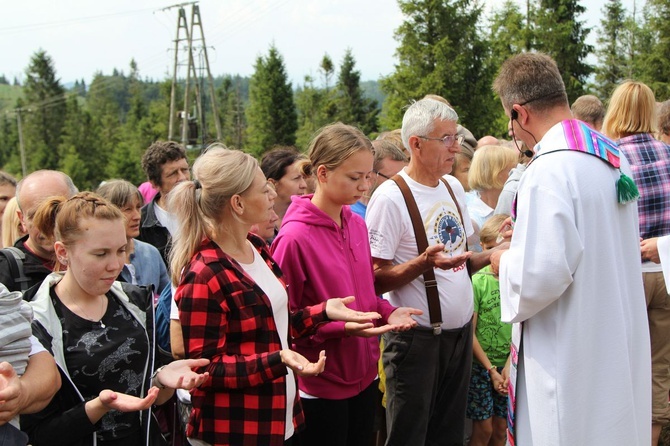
(15, 258)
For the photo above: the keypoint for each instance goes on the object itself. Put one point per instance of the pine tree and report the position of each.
(352, 107)
(135, 136)
(327, 69)
(44, 119)
(106, 116)
(231, 112)
(271, 114)
(509, 35)
(559, 33)
(442, 51)
(9, 141)
(79, 147)
(309, 101)
(656, 62)
(612, 60)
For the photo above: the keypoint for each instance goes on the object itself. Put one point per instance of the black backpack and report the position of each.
(15, 258)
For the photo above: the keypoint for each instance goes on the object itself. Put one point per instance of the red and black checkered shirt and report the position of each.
(228, 319)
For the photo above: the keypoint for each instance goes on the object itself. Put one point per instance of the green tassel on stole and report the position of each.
(626, 189)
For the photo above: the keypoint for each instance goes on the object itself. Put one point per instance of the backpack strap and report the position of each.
(15, 258)
(432, 294)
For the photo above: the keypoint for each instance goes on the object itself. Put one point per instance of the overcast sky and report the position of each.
(86, 36)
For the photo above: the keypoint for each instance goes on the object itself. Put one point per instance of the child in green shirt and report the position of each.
(487, 397)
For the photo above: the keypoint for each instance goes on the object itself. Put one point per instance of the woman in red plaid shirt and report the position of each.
(233, 307)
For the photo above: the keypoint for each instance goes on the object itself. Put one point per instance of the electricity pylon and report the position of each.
(193, 76)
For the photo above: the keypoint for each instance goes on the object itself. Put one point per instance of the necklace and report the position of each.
(62, 290)
(102, 304)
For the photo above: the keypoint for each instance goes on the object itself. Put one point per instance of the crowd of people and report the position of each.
(423, 288)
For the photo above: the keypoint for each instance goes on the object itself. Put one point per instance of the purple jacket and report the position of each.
(320, 260)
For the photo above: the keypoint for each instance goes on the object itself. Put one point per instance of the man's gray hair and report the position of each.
(421, 115)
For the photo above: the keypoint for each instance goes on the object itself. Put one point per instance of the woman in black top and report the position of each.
(100, 332)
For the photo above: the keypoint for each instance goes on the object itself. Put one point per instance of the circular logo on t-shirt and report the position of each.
(449, 231)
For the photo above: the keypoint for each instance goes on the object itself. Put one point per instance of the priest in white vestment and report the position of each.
(572, 275)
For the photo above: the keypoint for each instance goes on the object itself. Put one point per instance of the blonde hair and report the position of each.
(664, 118)
(395, 136)
(487, 163)
(334, 144)
(632, 109)
(218, 174)
(488, 234)
(11, 225)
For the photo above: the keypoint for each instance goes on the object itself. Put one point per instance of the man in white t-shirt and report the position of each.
(427, 368)
(165, 165)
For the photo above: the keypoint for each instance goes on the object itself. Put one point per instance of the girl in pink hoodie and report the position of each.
(323, 249)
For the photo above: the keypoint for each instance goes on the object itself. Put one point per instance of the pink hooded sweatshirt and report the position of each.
(320, 260)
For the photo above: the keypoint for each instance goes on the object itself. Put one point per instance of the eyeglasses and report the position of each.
(447, 140)
(381, 174)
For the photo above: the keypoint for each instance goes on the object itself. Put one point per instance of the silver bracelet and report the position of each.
(154, 378)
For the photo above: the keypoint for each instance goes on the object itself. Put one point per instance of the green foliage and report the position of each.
(327, 70)
(613, 63)
(352, 107)
(559, 33)
(442, 51)
(508, 35)
(231, 111)
(45, 113)
(9, 141)
(80, 158)
(271, 113)
(9, 94)
(312, 104)
(655, 63)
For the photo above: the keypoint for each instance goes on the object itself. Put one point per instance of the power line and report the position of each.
(47, 25)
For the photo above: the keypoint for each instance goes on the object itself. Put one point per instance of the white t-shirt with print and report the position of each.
(392, 238)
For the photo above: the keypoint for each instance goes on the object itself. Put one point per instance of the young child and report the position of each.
(487, 397)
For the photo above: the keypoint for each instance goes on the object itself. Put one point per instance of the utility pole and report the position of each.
(191, 75)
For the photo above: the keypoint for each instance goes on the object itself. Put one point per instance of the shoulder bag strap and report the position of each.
(429, 281)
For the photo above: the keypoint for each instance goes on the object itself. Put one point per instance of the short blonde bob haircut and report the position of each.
(487, 163)
(632, 110)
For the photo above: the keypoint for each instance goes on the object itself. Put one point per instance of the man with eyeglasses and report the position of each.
(427, 368)
(388, 160)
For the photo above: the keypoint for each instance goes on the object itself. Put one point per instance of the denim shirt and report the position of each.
(149, 267)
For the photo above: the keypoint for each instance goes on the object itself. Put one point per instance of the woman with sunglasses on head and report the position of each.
(101, 334)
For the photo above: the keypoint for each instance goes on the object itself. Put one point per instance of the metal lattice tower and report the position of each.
(194, 77)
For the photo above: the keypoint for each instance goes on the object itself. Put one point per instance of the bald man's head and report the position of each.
(30, 193)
